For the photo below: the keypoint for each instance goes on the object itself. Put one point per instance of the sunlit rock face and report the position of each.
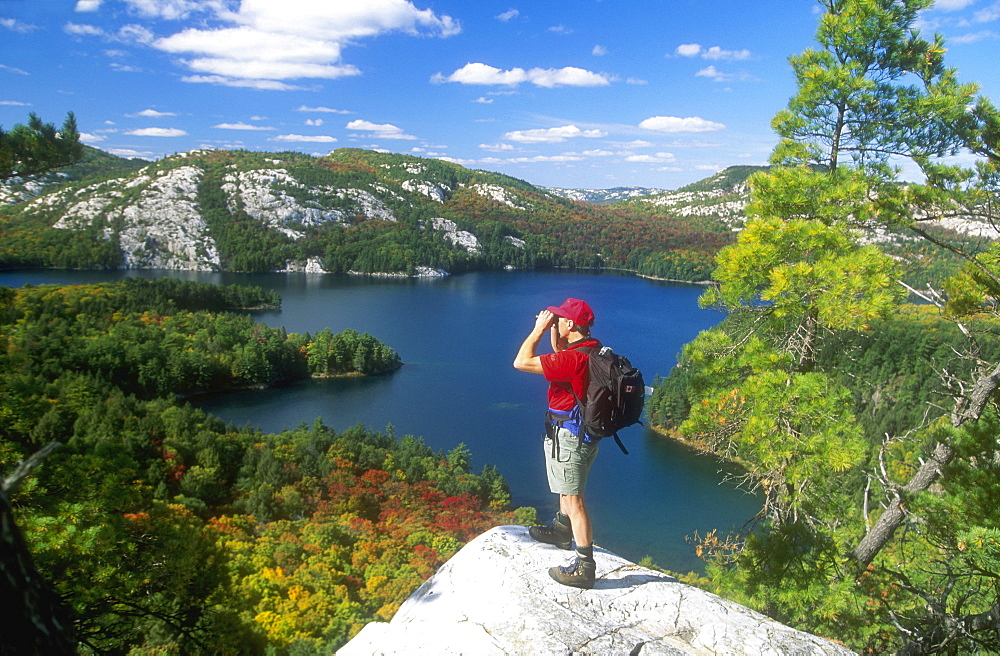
(495, 597)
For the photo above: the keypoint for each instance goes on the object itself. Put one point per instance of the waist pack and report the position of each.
(615, 395)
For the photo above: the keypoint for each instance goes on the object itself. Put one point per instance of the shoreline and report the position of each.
(423, 273)
(699, 446)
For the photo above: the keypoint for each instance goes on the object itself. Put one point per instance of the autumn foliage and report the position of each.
(165, 530)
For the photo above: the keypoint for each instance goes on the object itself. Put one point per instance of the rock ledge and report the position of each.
(495, 597)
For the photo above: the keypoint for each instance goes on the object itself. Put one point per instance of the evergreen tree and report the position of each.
(32, 149)
(873, 95)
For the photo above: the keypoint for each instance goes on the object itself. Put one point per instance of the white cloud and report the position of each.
(133, 33)
(456, 160)
(124, 68)
(265, 42)
(496, 148)
(314, 122)
(483, 100)
(240, 126)
(508, 15)
(975, 37)
(479, 73)
(379, 130)
(544, 158)
(321, 110)
(677, 124)
(599, 51)
(128, 152)
(717, 53)
(267, 85)
(560, 29)
(17, 26)
(714, 53)
(658, 158)
(172, 9)
(316, 138)
(552, 135)
(86, 6)
(157, 132)
(712, 73)
(14, 103)
(243, 53)
(130, 33)
(78, 29)
(87, 138)
(11, 69)
(151, 113)
(569, 76)
(987, 15)
(952, 5)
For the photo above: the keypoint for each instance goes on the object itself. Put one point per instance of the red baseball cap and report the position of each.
(575, 310)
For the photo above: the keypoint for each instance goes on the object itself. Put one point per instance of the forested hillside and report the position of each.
(869, 424)
(163, 529)
(351, 211)
(357, 211)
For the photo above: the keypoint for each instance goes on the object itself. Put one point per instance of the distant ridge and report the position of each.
(352, 211)
(603, 196)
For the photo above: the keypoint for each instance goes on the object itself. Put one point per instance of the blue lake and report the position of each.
(457, 337)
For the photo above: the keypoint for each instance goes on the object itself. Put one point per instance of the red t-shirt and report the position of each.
(564, 368)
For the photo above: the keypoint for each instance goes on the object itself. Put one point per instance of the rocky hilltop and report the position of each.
(599, 196)
(159, 217)
(495, 597)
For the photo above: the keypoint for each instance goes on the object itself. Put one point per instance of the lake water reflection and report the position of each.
(458, 337)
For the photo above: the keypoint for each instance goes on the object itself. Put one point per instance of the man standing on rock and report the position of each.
(568, 458)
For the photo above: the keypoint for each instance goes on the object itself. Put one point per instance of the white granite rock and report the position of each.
(310, 265)
(519, 243)
(433, 191)
(499, 194)
(495, 597)
(461, 238)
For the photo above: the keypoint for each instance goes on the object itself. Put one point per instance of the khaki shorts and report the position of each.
(567, 470)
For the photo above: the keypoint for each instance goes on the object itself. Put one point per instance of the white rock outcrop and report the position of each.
(461, 238)
(161, 228)
(499, 194)
(311, 265)
(438, 192)
(495, 597)
(164, 229)
(729, 205)
(276, 199)
(519, 243)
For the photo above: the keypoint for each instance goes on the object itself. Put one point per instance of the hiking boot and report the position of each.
(580, 574)
(558, 533)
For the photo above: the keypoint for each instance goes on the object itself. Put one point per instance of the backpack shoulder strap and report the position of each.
(583, 349)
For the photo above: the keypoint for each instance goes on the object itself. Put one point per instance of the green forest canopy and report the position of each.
(869, 425)
(161, 527)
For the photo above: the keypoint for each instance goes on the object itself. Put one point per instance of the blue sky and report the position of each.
(568, 93)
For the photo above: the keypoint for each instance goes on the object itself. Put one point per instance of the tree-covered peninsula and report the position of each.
(159, 528)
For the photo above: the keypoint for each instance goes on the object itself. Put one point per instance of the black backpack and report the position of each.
(615, 395)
